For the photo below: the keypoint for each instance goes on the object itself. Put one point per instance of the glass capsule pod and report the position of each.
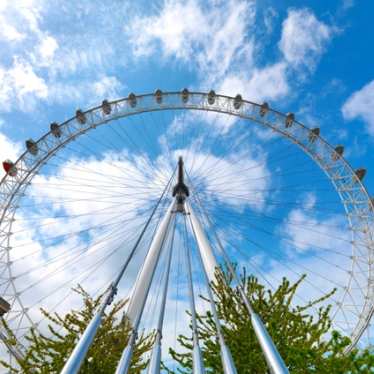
(4, 307)
(132, 100)
(264, 108)
(290, 118)
(158, 96)
(238, 101)
(32, 147)
(10, 168)
(338, 152)
(360, 173)
(314, 134)
(185, 95)
(81, 117)
(105, 107)
(211, 97)
(55, 129)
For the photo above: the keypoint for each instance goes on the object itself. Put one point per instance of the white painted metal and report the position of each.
(155, 362)
(125, 361)
(76, 359)
(271, 354)
(204, 246)
(198, 365)
(227, 361)
(206, 252)
(142, 285)
(197, 360)
(144, 279)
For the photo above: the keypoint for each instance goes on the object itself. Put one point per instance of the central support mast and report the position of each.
(180, 190)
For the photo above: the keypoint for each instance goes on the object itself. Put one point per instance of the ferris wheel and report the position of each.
(107, 199)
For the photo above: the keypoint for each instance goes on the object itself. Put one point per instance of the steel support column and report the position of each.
(271, 354)
(197, 361)
(142, 285)
(209, 266)
(206, 252)
(155, 361)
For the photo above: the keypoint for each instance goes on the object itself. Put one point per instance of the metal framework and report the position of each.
(347, 182)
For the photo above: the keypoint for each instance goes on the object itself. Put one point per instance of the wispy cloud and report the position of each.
(218, 41)
(360, 105)
(304, 38)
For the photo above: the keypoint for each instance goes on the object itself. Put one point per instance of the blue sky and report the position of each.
(60, 51)
(313, 58)
(57, 56)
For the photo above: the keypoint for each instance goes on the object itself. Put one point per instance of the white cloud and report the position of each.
(9, 32)
(300, 47)
(215, 37)
(210, 35)
(107, 87)
(46, 50)
(361, 105)
(21, 86)
(17, 19)
(25, 81)
(87, 92)
(305, 232)
(304, 38)
(268, 83)
(178, 27)
(45, 65)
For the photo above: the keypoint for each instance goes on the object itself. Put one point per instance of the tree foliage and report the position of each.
(302, 334)
(47, 353)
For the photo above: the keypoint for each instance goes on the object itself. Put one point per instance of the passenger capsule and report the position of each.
(32, 147)
(4, 307)
(185, 95)
(158, 96)
(290, 118)
(360, 173)
(338, 152)
(238, 102)
(55, 130)
(314, 134)
(211, 97)
(81, 117)
(264, 108)
(132, 100)
(105, 107)
(10, 168)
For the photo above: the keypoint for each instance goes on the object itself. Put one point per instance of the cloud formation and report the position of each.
(304, 38)
(360, 105)
(219, 41)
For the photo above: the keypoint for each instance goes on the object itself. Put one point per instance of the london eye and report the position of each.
(145, 196)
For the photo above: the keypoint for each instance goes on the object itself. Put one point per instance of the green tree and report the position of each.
(306, 343)
(47, 353)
